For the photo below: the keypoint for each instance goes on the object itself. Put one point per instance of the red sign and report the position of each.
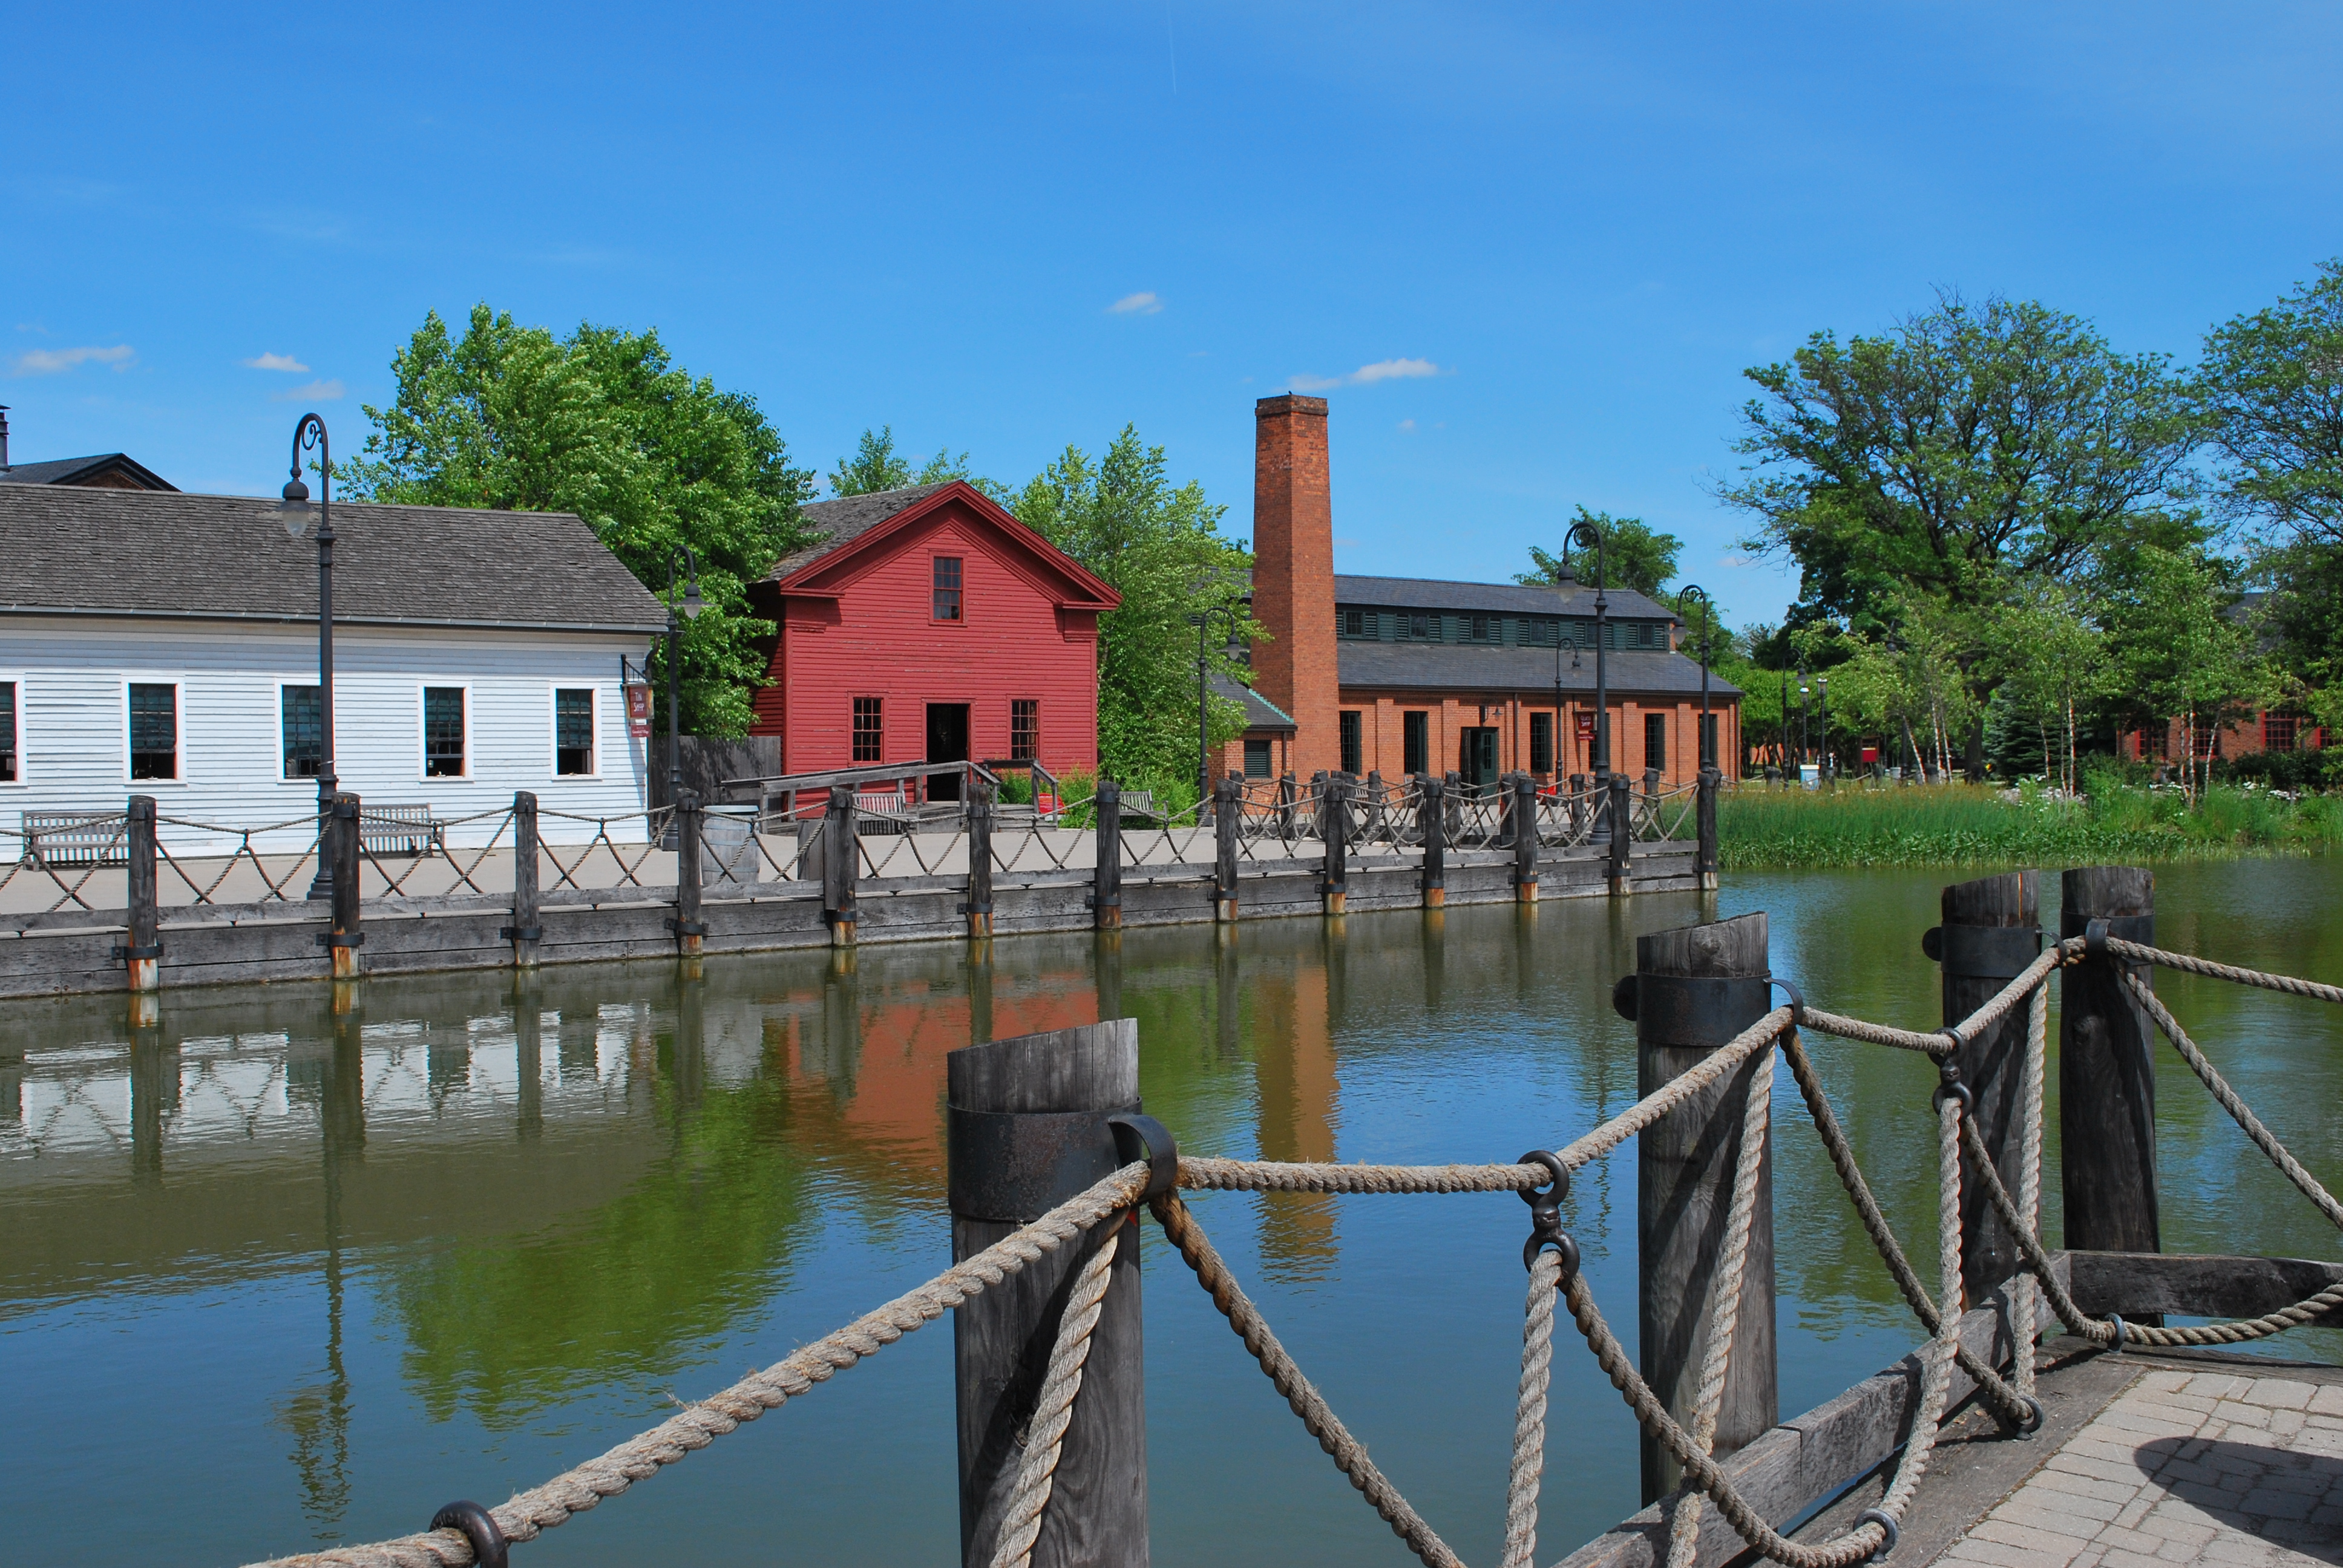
(1586, 727)
(638, 711)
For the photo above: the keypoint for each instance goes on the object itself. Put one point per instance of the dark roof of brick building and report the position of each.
(1449, 667)
(65, 550)
(1503, 599)
(1260, 713)
(112, 470)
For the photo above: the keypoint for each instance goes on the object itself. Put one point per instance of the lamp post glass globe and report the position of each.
(293, 510)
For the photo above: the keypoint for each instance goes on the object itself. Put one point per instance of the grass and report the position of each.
(1854, 826)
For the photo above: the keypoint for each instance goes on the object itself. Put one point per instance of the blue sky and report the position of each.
(1526, 250)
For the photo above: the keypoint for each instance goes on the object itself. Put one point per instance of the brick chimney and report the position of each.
(1293, 574)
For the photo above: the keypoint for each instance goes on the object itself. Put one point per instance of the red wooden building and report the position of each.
(929, 625)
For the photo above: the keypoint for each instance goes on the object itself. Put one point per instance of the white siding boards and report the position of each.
(105, 591)
(72, 744)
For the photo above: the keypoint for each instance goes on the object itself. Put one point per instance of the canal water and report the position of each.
(272, 1278)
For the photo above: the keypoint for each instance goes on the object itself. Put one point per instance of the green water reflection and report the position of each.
(308, 1272)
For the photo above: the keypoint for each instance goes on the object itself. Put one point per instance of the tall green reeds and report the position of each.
(1854, 825)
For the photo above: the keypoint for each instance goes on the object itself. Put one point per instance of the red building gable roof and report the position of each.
(856, 531)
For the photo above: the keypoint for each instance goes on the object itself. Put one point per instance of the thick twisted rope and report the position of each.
(1045, 1434)
(2004, 1399)
(2263, 1140)
(1529, 1411)
(2025, 1310)
(1277, 1176)
(1725, 1301)
(1349, 1454)
(2139, 953)
(1936, 1382)
(1945, 1041)
(529, 1514)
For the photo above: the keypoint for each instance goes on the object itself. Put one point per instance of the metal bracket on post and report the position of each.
(1545, 1216)
(1137, 1137)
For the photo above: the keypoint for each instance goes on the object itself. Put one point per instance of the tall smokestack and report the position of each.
(3, 438)
(1293, 574)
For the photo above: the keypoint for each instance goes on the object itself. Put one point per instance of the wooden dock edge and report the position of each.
(1811, 1457)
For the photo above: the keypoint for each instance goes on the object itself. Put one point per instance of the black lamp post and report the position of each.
(1203, 620)
(293, 510)
(1584, 534)
(1824, 682)
(691, 605)
(1707, 742)
(1805, 743)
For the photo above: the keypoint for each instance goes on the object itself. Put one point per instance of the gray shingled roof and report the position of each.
(68, 550)
(1260, 713)
(70, 470)
(1508, 599)
(846, 519)
(1447, 667)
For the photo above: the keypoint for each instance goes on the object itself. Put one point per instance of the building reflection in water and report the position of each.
(1293, 1074)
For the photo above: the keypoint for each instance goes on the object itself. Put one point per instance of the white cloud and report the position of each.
(1407, 424)
(1135, 305)
(313, 392)
(1347, 544)
(1391, 370)
(49, 361)
(1367, 375)
(275, 362)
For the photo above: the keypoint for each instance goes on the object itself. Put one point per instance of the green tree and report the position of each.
(1970, 450)
(603, 424)
(1634, 556)
(1162, 548)
(2179, 649)
(876, 466)
(2272, 386)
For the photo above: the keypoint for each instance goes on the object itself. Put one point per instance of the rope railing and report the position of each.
(1554, 1280)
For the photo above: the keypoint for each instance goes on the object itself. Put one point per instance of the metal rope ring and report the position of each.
(2116, 1320)
(1797, 999)
(2036, 1416)
(477, 1525)
(1950, 1086)
(1546, 1214)
(1550, 1195)
(1887, 1541)
(1953, 1043)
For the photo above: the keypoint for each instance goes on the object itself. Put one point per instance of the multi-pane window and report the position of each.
(1422, 628)
(1655, 741)
(948, 588)
(443, 732)
(2208, 739)
(154, 731)
(8, 768)
(573, 731)
(1256, 757)
(301, 723)
(1540, 742)
(1415, 741)
(868, 729)
(1352, 623)
(1025, 729)
(1543, 631)
(1350, 742)
(1485, 627)
(2280, 731)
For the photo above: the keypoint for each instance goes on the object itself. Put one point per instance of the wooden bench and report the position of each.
(73, 839)
(401, 831)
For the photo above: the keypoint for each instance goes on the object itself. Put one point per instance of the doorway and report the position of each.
(1477, 758)
(947, 742)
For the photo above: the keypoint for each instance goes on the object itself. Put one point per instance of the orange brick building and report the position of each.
(1410, 675)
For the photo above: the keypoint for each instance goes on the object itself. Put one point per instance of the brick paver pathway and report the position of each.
(2205, 1467)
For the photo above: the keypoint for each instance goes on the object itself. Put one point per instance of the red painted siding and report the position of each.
(879, 639)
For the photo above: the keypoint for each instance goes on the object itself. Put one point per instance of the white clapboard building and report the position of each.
(166, 644)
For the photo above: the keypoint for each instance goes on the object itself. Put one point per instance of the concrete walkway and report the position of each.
(2218, 1466)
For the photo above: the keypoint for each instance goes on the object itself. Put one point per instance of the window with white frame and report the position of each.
(443, 732)
(153, 729)
(11, 769)
(573, 732)
(301, 729)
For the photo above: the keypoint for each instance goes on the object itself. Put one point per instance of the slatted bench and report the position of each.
(76, 839)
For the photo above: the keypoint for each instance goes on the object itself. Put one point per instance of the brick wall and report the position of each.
(1293, 574)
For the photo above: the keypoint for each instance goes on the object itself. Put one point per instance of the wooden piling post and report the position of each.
(1431, 822)
(1578, 807)
(1704, 858)
(1991, 933)
(344, 823)
(142, 949)
(1372, 817)
(1106, 877)
(1525, 838)
(1228, 821)
(525, 930)
(1286, 796)
(980, 861)
(841, 863)
(1696, 988)
(1623, 834)
(2106, 1085)
(1335, 836)
(687, 924)
(1027, 1129)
